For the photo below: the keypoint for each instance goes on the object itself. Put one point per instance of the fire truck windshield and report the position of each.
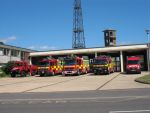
(133, 61)
(70, 62)
(18, 64)
(100, 62)
(44, 64)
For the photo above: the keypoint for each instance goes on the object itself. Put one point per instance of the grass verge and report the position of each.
(145, 79)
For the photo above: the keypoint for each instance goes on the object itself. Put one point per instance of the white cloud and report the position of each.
(42, 48)
(32, 47)
(9, 39)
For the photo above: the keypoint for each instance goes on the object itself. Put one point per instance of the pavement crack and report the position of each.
(107, 82)
(52, 84)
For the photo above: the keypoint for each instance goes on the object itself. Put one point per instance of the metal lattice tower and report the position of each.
(78, 40)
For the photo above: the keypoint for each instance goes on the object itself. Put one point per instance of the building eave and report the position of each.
(91, 50)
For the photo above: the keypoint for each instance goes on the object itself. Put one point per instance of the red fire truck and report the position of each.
(75, 65)
(103, 64)
(133, 65)
(50, 67)
(22, 68)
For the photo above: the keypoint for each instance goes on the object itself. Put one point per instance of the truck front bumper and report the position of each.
(69, 72)
(100, 70)
(44, 72)
(133, 70)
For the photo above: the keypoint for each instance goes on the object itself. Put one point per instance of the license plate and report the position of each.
(133, 70)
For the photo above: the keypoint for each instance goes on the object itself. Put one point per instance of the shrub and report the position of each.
(2, 74)
(8, 67)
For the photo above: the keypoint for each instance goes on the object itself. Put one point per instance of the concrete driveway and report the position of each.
(70, 83)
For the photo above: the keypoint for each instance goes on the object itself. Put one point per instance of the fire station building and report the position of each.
(119, 54)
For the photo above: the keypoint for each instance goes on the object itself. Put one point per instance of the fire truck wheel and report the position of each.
(42, 75)
(108, 72)
(78, 73)
(13, 75)
(32, 73)
(23, 74)
(95, 72)
(139, 72)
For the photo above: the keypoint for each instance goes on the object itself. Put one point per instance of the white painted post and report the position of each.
(30, 60)
(121, 61)
(148, 64)
(95, 54)
(10, 54)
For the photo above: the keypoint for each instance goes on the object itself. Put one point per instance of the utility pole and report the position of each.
(78, 40)
(148, 51)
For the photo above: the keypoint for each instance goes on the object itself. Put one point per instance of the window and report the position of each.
(6, 51)
(111, 40)
(111, 33)
(22, 55)
(106, 34)
(14, 53)
(107, 41)
(1, 51)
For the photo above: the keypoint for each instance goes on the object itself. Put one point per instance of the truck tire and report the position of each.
(23, 74)
(95, 72)
(33, 73)
(108, 72)
(78, 73)
(139, 72)
(13, 74)
(42, 75)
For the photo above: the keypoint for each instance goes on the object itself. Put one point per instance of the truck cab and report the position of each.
(75, 66)
(133, 65)
(49, 67)
(20, 68)
(103, 65)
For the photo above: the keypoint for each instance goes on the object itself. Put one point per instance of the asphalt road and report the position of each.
(112, 101)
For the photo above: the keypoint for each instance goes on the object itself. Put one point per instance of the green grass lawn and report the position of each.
(145, 79)
(2, 74)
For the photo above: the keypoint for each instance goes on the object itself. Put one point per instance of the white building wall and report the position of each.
(15, 58)
(5, 59)
(1, 52)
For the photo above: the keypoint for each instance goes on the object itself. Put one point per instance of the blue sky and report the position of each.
(47, 24)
